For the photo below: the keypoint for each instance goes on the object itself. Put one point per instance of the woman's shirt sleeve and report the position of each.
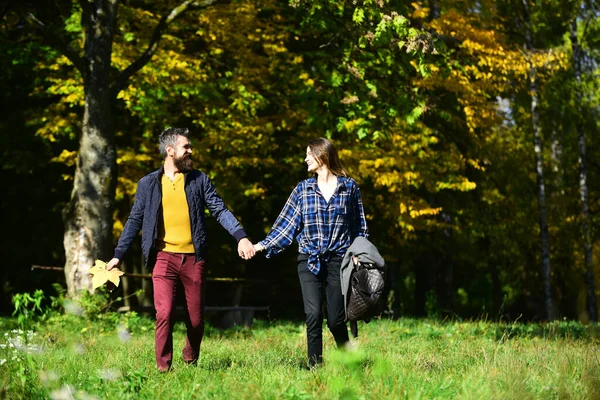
(286, 227)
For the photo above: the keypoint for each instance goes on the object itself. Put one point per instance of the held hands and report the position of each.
(245, 249)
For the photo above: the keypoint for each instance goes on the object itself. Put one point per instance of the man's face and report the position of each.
(182, 154)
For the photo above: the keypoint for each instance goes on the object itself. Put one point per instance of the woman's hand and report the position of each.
(258, 247)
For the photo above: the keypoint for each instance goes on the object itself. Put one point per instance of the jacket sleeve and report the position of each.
(217, 208)
(286, 227)
(134, 221)
(359, 222)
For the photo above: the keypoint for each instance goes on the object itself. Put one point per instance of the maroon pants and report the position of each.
(168, 270)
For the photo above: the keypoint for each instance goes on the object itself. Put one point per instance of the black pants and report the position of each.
(312, 293)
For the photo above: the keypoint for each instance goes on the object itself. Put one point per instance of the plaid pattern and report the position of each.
(321, 229)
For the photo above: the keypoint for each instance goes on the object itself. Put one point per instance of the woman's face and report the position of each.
(311, 163)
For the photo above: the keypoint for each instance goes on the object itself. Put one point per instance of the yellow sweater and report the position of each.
(174, 229)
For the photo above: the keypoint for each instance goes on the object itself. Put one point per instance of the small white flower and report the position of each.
(72, 307)
(79, 349)
(48, 377)
(81, 395)
(64, 393)
(123, 334)
(109, 374)
(34, 349)
(2, 361)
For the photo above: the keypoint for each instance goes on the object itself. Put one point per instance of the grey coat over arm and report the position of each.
(366, 252)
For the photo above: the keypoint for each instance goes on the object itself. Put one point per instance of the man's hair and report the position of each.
(325, 153)
(169, 138)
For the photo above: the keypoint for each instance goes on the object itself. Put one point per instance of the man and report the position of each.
(169, 209)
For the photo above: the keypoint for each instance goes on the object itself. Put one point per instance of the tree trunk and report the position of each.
(434, 7)
(448, 267)
(539, 169)
(583, 187)
(497, 303)
(88, 216)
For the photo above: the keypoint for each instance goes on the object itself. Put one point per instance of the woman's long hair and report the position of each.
(325, 153)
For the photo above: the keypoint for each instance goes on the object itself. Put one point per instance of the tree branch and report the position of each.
(55, 41)
(145, 57)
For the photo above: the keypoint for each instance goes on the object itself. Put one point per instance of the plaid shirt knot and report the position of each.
(322, 229)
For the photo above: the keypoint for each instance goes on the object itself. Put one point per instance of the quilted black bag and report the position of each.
(366, 298)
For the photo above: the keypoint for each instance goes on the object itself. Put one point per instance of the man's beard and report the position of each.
(183, 164)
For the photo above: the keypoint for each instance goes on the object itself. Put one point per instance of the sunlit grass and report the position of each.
(72, 357)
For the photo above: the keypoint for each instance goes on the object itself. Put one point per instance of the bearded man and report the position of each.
(169, 210)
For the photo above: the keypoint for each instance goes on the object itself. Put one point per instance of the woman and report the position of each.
(324, 214)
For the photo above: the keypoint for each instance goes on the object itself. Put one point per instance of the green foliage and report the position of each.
(28, 307)
(133, 382)
(362, 65)
(431, 114)
(57, 302)
(37, 307)
(17, 349)
(98, 308)
(94, 304)
(391, 359)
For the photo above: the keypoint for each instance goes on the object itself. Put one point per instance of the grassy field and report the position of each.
(67, 356)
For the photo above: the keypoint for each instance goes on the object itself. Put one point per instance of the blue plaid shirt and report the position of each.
(322, 229)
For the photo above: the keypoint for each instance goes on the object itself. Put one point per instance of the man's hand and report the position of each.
(246, 249)
(113, 263)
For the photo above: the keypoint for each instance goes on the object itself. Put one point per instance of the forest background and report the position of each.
(470, 126)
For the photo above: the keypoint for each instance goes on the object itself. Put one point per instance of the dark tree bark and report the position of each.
(539, 171)
(88, 216)
(434, 6)
(447, 294)
(577, 55)
(426, 284)
(497, 303)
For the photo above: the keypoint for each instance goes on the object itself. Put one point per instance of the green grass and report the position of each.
(72, 356)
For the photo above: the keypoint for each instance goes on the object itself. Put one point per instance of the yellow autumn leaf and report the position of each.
(101, 275)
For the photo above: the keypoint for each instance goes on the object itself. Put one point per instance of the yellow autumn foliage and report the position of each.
(66, 157)
(102, 275)
(496, 67)
(401, 161)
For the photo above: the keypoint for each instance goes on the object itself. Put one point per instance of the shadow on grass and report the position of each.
(223, 363)
(216, 364)
(552, 330)
(555, 330)
(240, 332)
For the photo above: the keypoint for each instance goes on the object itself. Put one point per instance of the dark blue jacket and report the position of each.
(146, 211)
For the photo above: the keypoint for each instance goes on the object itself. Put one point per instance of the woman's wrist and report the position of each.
(259, 247)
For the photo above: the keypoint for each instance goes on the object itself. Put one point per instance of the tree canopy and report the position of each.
(429, 103)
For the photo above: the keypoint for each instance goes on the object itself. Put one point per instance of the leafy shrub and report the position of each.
(28, 307)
